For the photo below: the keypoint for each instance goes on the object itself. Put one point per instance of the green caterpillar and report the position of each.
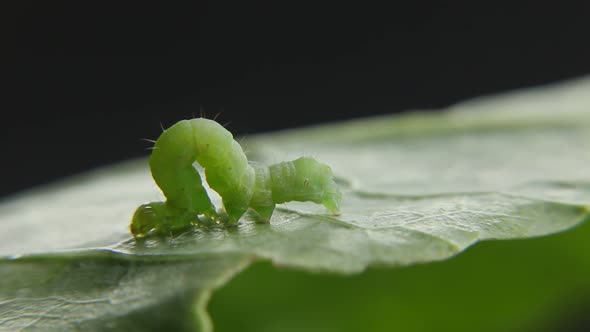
(242, 185)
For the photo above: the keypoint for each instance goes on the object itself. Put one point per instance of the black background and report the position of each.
(85, 82)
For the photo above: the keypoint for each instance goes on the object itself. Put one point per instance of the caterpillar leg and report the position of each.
(263, 213)
(262, 203)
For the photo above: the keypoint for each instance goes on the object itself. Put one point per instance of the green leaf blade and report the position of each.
(417, 188)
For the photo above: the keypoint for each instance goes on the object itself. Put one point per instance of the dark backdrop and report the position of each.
(84, 83)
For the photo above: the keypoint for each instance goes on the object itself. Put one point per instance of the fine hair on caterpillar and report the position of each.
(242, 185)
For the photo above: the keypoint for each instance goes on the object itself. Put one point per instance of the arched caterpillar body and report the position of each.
(241, 184)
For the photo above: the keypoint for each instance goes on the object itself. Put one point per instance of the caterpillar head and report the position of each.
(314, 181)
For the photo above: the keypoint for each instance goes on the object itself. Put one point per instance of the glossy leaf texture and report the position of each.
(417, 188)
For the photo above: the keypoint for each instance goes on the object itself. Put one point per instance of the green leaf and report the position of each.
(101, 291)
(538, 284)
(417, 188)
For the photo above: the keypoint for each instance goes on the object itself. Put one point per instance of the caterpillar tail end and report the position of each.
(158, 218)
(145, 220)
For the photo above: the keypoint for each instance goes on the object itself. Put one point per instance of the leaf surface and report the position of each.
(417, 188)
